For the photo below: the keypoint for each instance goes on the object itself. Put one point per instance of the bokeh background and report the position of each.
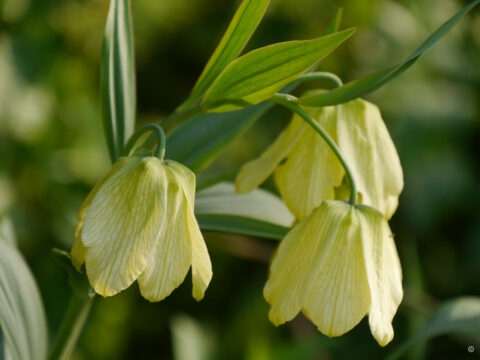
(52, 152)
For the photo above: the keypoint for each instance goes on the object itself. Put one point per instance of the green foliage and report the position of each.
(372, 82)
(118, 78)
(258, 75)
(457, 316)
(241, 28)
(50, 178)
(258, 204)
(260, 213)
(22, 318)
(336, 21)
(197, 141)
(241, 225)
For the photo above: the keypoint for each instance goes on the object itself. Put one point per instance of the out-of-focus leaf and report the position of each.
(258, 75)
(7, 234)
(198, 140)
(259, 204)
(372, 82)
(336, 21)
(241, 225)
(241, 28)
(22, 317)
(190, 340)
(118, 77)
(458, 316)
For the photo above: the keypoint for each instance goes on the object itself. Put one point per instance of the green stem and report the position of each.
(134, 139)
(283, 100)
(71, 328)
(321, 75)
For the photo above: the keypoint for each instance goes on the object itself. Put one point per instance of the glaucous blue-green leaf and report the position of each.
(197, 141)
(259, 204)
(118, 77)
(458, 316)
(241, 28)
(259, 74)
(22, 318)
(363, 86)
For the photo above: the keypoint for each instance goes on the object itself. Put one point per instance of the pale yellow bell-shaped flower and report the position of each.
(311, 173)
(336, 266)
(138, 224)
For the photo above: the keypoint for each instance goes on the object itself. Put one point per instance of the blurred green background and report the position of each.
(52, 152)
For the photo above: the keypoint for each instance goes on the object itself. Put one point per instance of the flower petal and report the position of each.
(201, 265)
(255, 172)
(311, 171)
(123, 223)
(171, 257)
(79, 250)
(291, 272)
(339, 297)
(369, 151)
(383, 272)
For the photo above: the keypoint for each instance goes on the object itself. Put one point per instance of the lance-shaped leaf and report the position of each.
(259, 213)
(258, 204)
(459, 316)
(241, 28)
(258, 75)
(118, 77)
(23, 325)
(335, 23)
(241, 225)
(371, 82)
(197, 141)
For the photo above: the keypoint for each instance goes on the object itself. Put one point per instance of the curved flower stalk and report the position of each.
(138, 224)
(336, 266)
(312, 173)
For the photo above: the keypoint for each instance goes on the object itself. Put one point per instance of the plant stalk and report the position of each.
(71, 327)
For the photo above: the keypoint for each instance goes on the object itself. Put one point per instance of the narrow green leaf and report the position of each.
(241, 28)
(258, 75)
(118, 77)
(458, 316)
(22, 318)
(241, 225)
(363, 86)
(259, 204)
(198, 140)
(336, 21)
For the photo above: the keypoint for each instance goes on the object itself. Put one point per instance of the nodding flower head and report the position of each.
(311, 173)
(138, 224)
(336, 266)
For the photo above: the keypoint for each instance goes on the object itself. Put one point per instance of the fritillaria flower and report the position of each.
(311, 173)
(138, 224)
(336, 266)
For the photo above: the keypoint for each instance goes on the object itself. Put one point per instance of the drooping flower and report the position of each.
(138, 224)
(336, 266)
(311, 173)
